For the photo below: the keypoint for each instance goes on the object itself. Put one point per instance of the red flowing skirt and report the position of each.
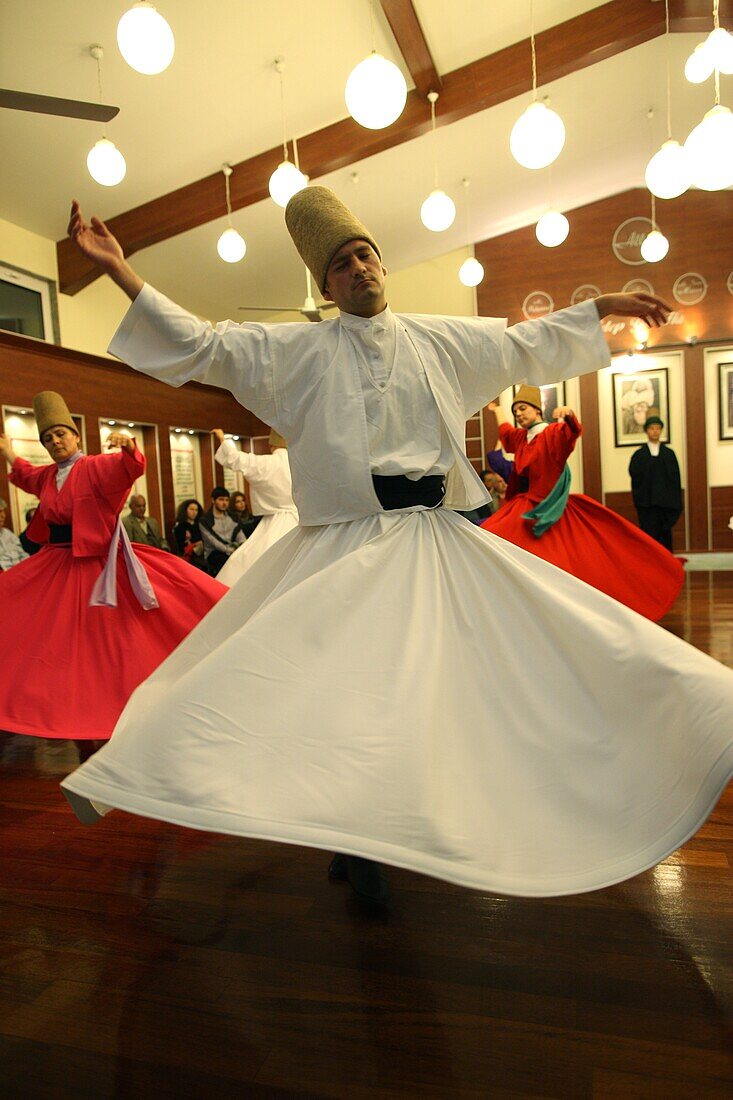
(68, 669)
(601, 548)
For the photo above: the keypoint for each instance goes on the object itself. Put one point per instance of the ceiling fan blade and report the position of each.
(311, 314)
(51, 105)
(269, 309)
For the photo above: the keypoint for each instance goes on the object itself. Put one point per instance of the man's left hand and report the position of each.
(654, 312)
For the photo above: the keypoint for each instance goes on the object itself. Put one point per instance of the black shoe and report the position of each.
(337, 869)
(367, 879)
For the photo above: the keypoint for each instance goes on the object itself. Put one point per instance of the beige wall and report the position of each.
(88, 320)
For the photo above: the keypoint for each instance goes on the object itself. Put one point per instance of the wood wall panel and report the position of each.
(95, 387)
(591, 454)
(699, 226)
(697, 467)
(721, 509)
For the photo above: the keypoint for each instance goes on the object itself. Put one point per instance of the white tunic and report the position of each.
(271, 496)
(338, 697)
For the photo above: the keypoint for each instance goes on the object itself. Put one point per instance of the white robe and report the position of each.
(271, 496)
(418, 691)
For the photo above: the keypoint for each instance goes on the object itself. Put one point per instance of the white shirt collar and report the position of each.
(536, 430)
(380, 322)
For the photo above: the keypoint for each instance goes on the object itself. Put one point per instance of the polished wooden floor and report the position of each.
(142, 960)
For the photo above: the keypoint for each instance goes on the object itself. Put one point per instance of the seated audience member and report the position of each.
(220, 533)
(142, 528)
(28, 544)
(11, 549)
(187, 540)
(239, 511)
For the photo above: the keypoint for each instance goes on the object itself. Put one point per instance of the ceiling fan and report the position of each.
(52, 105)
(309, 308)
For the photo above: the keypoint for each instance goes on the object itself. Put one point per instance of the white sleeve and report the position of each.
(554, 348)
(256, 468)
(162, 340)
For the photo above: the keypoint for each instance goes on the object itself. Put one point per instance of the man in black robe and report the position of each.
(655, 484)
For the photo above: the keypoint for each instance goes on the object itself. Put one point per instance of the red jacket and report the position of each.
(99, 485)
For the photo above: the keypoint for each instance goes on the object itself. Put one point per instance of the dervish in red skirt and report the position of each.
(571, 530)
(86, 619)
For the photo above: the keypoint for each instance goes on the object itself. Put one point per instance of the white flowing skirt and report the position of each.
(409, 688)
(266, 533)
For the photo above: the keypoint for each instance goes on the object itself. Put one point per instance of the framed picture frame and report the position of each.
(635, 397)
(553, 396)
(725, 400)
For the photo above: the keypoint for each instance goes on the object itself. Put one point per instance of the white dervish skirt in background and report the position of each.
(267, 532)
(408, 688)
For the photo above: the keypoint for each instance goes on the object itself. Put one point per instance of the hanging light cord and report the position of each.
(97, 55)
(279, 67)
(654, 211)
(716, 24)
(669, 82)
(433, 97)
(716, 14)
(227, 170)
(371, 26)
(534, 52)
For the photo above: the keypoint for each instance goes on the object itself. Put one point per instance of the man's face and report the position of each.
(221, 504)
(137, 507)
(355, 280)
(526, 415)
(60, 442)
(653, 432)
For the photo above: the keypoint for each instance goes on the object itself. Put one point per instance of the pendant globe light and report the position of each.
(231, 245)
(438, 211)
(655, 245)
(538, 136)
(287, 179)
(376, 90)
(105, 163)
(471, 272)
(669, 172)
(710, 147)
(715, 54)
(552, 229)
(145, 39)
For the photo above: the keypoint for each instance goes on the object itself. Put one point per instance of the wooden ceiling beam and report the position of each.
(576, 44)
(405, 26)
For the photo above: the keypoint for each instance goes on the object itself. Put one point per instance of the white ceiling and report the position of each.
(220, 101)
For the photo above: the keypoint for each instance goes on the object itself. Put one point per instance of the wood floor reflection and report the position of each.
(141, 960)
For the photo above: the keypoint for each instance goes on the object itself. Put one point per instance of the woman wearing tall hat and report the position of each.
(573, 531)
(86, 619)
(271, 496)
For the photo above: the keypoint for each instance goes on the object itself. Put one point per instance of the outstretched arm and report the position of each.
(104, 250)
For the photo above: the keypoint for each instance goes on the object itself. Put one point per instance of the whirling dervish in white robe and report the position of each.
(362, 639)
(271, 496)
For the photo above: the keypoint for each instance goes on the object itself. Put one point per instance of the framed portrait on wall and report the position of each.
(725, 418)
(635, 397)
(553, 396)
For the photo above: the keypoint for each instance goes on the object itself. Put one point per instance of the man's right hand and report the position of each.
(104, 250)
(218, 435)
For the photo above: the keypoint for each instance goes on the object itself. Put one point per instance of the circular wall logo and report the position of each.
(690, 288)
(583, 293)
(537, 304)
(626, 241)
(638, 286)
(729, 283)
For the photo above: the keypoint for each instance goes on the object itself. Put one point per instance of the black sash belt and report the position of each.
(59, 532)
(402, 492)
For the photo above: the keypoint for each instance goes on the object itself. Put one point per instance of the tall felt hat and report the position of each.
(320, 224)
(51, 411)
(528, 395)
(276, 440)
